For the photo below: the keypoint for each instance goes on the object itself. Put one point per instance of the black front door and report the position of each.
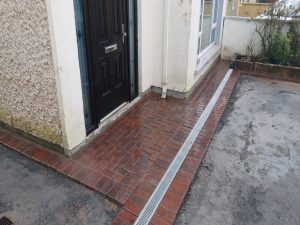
(107, 20)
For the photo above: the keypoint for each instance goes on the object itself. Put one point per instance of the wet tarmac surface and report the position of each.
(31, 194)
(251, 172)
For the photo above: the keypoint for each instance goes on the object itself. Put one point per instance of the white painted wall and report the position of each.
(64, 49)
(178, 50)
(193, 44)
(249, 1)
(150, 27)
(238, 31)
(151, 43)
(183, 28)
(236, 36)
(182, 49)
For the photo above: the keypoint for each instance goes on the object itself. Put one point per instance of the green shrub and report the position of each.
(276, 46)
(279, 49)
(294, 36)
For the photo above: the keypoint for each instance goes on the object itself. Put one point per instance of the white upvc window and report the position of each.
(207, 25)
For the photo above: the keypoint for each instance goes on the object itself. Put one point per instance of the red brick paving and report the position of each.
(129, 158)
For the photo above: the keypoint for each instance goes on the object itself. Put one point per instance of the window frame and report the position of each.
(214, 26)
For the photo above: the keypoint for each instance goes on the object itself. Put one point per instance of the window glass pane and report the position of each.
(216, 10)
(207, 22)
(213, 36)
(201, 14)
(199, 42)
(230, 8)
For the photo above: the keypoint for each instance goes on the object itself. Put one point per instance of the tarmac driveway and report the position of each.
(251, 172)
(31, 194)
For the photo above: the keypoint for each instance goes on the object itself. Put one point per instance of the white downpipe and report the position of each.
(165, 49)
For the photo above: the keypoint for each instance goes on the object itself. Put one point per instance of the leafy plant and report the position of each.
(279, 49)
(272, 22)
(250, 47)
(277, 45)
(294, 36)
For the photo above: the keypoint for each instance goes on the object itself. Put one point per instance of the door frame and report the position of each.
(87, 34)
(136, 49)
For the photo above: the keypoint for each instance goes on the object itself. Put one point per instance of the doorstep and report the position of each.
(127, 160)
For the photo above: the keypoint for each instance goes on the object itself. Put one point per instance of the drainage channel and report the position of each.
(158, 194)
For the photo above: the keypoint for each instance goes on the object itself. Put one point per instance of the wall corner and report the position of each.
(62, 28)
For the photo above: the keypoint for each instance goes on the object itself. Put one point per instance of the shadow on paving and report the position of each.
(32, 194)
(250, 174)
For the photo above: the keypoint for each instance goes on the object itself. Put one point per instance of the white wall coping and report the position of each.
(238, 18)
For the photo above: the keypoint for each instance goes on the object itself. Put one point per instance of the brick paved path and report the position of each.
(128, 159)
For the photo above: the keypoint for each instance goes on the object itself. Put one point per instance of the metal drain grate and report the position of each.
(155, 199)
(5, 221)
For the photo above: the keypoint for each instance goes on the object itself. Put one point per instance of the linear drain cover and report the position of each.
(5, 221)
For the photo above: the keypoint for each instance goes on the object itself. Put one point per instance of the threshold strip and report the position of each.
(148, 211)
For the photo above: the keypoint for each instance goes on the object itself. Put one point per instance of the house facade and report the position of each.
(69, 67)
(247, 8)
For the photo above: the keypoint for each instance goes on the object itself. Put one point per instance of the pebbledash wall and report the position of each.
(40, 82)
(28, 96)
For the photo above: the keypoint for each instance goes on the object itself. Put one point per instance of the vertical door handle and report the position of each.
(124, 34)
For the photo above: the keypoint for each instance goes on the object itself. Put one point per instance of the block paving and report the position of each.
(128, 159)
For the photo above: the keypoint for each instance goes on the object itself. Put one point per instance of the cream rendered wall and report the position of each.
(193, 46)
(238, 31)
(182, 43)
(151, 43)
(183, 25)
(179, 42)
(66, 63)
(150, 35)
